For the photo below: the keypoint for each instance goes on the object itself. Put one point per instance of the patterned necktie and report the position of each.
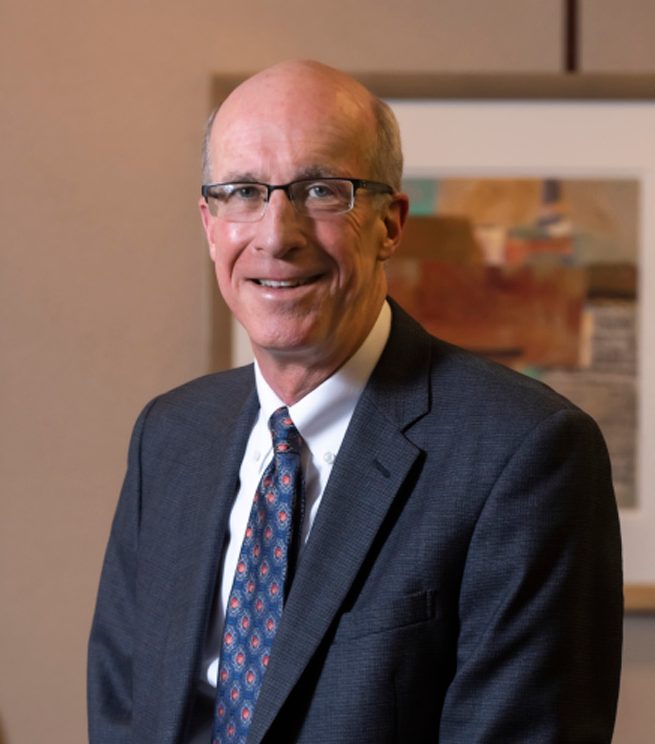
(254, 607)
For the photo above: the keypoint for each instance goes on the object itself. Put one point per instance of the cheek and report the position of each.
(229, 240)
(354, 250)
(228, 235)
(234, 233)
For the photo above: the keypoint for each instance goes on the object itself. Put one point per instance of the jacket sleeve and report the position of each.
(540, 607)
(109, 673)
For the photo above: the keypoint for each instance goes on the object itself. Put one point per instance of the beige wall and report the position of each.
(104, 291)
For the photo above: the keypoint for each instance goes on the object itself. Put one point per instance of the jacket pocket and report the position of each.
(395, 613)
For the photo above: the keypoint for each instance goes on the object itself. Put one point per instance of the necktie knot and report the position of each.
(286, 439)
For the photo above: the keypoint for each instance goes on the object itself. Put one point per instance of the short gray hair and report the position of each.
(206, 148)
(386, 151)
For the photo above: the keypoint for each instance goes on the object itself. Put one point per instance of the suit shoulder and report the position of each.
(470, 383)
(465, 382)
(463, 378)
(229, 382)
(218, 395)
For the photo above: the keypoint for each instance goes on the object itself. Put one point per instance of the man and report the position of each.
(449, 561)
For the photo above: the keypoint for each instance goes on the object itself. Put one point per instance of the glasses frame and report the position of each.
(375, 187)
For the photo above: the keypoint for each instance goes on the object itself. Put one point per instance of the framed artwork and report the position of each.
(532, 240)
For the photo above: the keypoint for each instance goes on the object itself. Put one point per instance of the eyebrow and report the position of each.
(319, 171)
(239, 177)
(310, 171)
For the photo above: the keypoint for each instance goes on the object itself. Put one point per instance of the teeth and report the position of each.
(280, 284)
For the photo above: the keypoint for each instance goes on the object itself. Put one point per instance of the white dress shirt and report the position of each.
(321, 418)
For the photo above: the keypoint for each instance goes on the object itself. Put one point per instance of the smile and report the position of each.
(283, 283)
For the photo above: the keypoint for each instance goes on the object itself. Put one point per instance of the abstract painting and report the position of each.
(540, 275)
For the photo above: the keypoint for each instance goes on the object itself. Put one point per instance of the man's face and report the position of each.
(306, 290)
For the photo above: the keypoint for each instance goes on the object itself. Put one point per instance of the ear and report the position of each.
(208, 224)
(394, 217)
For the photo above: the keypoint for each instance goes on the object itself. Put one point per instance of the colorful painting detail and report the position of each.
(540, 275)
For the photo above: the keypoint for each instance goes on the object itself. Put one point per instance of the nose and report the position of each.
(281, 229)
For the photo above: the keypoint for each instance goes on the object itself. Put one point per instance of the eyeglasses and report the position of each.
(314, 197)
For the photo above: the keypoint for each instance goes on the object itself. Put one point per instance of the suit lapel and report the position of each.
(373, 462)
(212, 485)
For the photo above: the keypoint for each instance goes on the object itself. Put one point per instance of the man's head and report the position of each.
(386, 156)
(306, 286)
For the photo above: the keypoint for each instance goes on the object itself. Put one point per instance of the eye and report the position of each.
(245, 192)
(321, 190)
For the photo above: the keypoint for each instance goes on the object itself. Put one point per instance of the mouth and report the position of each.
(284, 283)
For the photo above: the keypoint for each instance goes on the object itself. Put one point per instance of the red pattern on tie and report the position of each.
(254, 607)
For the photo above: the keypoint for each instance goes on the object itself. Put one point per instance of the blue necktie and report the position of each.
(254, 607)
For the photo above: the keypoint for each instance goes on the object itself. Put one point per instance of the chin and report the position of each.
(285, 346)
(282, 333)
(276, 344)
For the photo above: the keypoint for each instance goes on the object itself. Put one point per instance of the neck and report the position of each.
(294, 374)
(292, 379)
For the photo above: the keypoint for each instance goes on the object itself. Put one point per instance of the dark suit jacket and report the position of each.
(462, 581)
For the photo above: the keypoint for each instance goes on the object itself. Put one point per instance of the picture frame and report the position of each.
(544, 125)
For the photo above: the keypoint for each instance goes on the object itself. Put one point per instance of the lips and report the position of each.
(284, 283)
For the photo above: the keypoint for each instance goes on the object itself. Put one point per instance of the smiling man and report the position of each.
(306, 282)
(367, 536)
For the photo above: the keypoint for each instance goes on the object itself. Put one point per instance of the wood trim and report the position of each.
(571, 45)
(639, 598)
(526, 86)
(480, 86)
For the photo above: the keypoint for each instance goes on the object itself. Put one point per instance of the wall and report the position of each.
(104, 290)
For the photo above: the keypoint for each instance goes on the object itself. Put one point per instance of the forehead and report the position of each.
(280, 131)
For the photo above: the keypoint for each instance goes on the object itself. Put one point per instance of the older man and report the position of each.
(432, 550)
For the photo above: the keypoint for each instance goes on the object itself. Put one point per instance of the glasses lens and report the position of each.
(239, 202)
(316, 196)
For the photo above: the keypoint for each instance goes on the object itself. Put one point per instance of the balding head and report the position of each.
(292, 90)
